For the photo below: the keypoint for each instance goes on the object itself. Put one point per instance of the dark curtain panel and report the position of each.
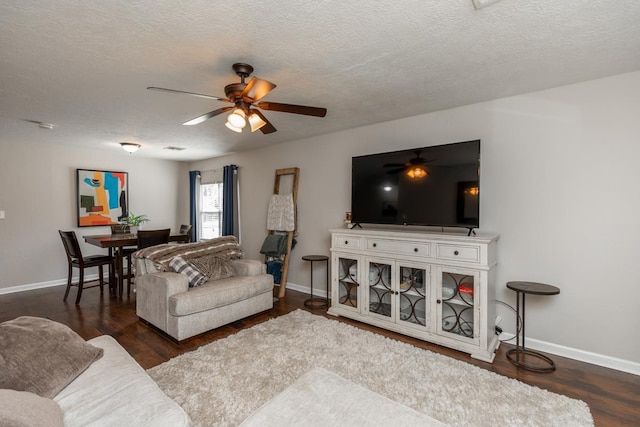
(228, 202)
(193, 200)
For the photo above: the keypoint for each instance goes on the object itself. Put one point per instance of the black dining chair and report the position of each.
(186, 229)
(148, 238)
(75, 259)
(126, 253)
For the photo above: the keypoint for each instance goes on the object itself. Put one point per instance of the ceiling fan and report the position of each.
(245, 97)
(414, 168)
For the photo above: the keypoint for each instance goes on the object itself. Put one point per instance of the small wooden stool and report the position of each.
(317, 302)
(517, 355)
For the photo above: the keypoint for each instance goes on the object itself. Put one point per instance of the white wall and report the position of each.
(37, 192)
(558, 182)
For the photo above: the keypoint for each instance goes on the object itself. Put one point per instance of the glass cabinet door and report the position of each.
(380, 289)
(457, 311)
(348, 282)
(414, 295)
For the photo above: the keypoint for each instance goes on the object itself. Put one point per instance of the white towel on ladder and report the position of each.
(281, 213)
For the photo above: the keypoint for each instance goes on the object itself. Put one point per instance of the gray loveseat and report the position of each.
(234, 288)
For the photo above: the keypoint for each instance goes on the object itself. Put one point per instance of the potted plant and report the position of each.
(134, 221)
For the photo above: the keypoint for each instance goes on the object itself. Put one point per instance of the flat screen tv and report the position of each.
(429, 186)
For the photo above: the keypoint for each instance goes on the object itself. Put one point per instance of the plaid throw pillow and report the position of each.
(179, 265)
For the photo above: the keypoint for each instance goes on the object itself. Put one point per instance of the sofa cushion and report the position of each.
(248, 267)
(218, 293)
(116, 391)
(195, 276)
(213, 266)
(25, 409)
(42, 356)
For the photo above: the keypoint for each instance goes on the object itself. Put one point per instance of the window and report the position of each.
(210, 206)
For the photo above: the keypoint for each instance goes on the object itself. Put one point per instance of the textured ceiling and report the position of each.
(84, 66)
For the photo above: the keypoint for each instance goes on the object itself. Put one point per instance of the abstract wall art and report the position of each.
(102, 197)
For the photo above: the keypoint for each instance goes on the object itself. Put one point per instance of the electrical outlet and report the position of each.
(498, 320)
(1, 214)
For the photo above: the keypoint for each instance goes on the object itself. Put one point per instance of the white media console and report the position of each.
(437, 287)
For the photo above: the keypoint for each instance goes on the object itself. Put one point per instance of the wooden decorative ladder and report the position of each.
(295, 174)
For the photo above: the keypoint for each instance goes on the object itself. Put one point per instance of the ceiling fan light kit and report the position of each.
(237, 119)
(244, 96)
(232, 127)
(255, 121)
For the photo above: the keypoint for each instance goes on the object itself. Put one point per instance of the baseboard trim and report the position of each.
(585, 356)
(42, 285)
(322, 293)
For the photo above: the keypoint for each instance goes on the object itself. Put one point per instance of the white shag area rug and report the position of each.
(222, 383)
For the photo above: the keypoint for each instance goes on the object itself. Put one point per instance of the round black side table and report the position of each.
(517, 355)
(315, 302)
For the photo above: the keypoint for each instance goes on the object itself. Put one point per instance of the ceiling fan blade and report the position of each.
(207, 116)
(395, 171)
(200, 95)
(257, 88)
(393, 165)
(290, 108)
(268, 127)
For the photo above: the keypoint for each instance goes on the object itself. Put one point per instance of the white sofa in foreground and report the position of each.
(116, 391)
(50, 376)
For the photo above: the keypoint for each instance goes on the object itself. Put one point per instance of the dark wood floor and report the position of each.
(613, 396)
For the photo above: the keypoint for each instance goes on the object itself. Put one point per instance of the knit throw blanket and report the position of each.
(224, 248)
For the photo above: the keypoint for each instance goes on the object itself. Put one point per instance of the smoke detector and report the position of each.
(479, 4)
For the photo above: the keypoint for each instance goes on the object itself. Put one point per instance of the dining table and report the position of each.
(119, 241)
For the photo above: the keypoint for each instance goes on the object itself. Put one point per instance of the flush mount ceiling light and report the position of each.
(129, 147)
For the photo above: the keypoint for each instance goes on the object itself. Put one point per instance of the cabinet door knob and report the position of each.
(456, 252)
(346, 242)
(415, 249)
(439, 301)
(375, 245)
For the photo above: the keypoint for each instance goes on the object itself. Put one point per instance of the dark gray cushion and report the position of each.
(42, 356)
